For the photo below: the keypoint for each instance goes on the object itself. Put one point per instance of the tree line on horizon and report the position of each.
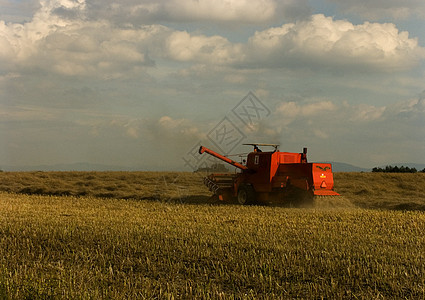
(396, 169)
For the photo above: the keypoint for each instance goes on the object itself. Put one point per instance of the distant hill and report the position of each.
(69, 167)
(336, 167)
(217, 168)
(343, 167)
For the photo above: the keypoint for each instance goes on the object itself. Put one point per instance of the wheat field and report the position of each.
(118, 235)
(365, 190)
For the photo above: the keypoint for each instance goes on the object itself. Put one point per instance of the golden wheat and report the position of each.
(87, 247)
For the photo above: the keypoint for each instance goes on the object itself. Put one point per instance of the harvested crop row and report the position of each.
(366, 190)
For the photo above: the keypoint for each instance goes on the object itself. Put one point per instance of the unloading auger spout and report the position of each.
(203, 149)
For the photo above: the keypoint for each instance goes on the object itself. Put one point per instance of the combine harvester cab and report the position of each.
(272, 177)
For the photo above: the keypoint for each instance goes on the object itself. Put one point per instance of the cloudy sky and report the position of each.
(144, 82)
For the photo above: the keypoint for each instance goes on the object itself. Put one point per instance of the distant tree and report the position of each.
(216, 167)
(395, 169)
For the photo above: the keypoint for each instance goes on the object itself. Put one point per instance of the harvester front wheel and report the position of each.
(246, 195)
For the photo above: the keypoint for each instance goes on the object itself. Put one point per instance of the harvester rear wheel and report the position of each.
(246, 195)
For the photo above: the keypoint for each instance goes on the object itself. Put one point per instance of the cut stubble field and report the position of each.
(176, 243)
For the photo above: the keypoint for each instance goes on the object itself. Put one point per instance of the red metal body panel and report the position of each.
(323, 179)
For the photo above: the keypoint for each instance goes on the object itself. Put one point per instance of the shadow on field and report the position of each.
(320, 202)
(331, 202)
(409, 206)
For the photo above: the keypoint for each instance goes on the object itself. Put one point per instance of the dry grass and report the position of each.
(366, 190)
(383, 190)
(164, 186)
(90, 248)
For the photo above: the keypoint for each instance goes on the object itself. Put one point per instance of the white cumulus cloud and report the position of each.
(182, 46)
(61, 39)
(323, 41)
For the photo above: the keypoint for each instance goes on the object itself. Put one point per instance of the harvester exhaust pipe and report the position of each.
(203, 149)
(304, 155)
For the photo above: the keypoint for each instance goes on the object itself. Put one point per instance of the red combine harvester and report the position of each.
(272, 177)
